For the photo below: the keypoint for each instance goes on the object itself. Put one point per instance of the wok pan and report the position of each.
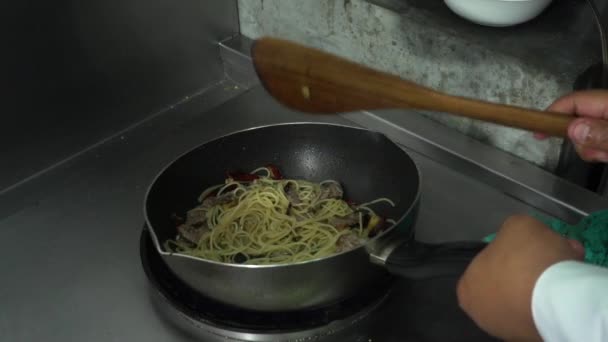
(368, 165)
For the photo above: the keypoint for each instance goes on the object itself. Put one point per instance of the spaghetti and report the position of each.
(261, 219)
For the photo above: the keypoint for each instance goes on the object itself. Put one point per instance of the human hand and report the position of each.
(496, 289)
(589, 132)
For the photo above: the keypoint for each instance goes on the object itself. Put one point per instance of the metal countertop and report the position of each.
(70, 237)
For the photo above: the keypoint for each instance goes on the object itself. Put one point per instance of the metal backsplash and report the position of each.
(75, 72)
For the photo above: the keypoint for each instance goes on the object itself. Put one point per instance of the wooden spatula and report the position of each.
(310, 80)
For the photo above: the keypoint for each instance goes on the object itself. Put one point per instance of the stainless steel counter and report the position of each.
(70, 264)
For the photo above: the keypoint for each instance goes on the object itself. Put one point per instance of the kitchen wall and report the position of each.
(76, 72)
(423, 41)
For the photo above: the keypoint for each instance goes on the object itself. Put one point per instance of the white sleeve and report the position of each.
(570, 303)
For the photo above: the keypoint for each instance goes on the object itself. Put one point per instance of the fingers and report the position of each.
(592, 155)
(589, 133)
(590, 137)
(590, 103)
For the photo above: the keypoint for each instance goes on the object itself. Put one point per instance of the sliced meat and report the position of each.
(196, 215)
(331, 190)
(212, 201)
(195, 225)
(348, 242)
(292, 194)
(344, 221)
(193, 233)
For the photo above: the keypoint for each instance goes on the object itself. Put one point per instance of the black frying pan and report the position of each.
(368, 165)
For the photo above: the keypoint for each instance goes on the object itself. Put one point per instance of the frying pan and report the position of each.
(368, 165)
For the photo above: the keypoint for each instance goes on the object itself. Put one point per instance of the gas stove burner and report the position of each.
(207, 319)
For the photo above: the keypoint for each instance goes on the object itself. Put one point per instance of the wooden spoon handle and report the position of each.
(310, 80)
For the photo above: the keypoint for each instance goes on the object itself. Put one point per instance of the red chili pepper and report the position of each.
(243, 177)
(274, 172)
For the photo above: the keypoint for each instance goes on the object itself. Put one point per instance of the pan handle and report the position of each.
(418, 260)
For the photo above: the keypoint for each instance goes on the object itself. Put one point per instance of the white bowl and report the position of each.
(498, 13)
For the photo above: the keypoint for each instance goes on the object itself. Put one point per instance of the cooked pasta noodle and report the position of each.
(268, 220)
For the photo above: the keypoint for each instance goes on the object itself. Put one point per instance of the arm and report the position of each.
(496, 289)
(570, 303)
(527, 285)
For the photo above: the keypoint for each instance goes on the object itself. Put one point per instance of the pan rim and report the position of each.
(366, 245)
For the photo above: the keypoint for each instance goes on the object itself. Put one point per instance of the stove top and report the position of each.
(208, 318)
(361, 318)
